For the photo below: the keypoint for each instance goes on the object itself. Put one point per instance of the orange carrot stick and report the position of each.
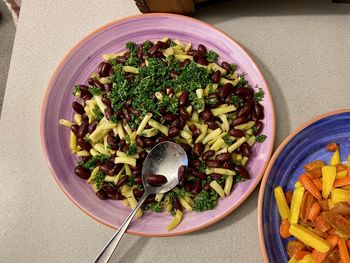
(284, 229)
(289, 196)
(318, 183)
(318, 257)
(314, 211)
(322, 224)
(342, 181)
(310, 186)
(313, 165)
(343, 251)
(348, 244)
(301, 254)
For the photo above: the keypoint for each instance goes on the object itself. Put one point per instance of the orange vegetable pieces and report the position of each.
(323, 204)
(333, 240)
(332, 147)
(313, 165)
(318, 182)
(341, 167)
(343, 251)
(320, 233)
(348, 244)
(319, 257)
(332, 257)
(284, 228)
(306, 204)
(337, 221)
(341, 208)
(342, 181)
(314, 211)
(315, 173)
(322, 224)
(289, 196)
(294, 246)
(310, 186)
(301, 254)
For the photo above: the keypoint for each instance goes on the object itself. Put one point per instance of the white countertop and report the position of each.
(302, 48)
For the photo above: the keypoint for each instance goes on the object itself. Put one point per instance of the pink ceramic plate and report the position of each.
(76, 68)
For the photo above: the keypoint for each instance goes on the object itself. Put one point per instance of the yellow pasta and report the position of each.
(176, 221)
(127, 160)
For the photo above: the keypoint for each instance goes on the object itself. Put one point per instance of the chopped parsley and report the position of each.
(172, 104)
(131, 46)
(242, 79)
(234, 67)
(146, 46)
(132, 149)
(197, 103)
(131, 181)
(260, 138)
(95, 91)
(201, 168)
(76, 90)
(91, 164)
(228, 140)
(98, 179)
(155, 207)
(98, 113)
(259, 96)
(173, 213)
(181, 192)
(211, 56)
(206, 181)
(205, 201)
(211, 101)
(113, 119)
(172, 195)
(237, 101)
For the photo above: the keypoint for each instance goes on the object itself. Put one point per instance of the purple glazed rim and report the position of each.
(242, 198)
(276, 154)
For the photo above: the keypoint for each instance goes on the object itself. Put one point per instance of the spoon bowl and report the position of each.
(164, 159)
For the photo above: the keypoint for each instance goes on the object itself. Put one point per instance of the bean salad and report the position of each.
(157, 91)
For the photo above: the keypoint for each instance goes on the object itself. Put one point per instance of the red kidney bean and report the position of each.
(197, 187)
(227, 165)
(173, 132)
(83, 129)
(245, 149)
(139, 142)
(169, 117)
(228, 99)
(183, 113)
(223, 157)
(90, 81)
(92, 126)
(226, 66)
(129, 76)
(206, 115)
(182, 123)
(103, 69)
(136, 173)
(97, 84)
(176, 203)
(150, 199)
(206, 187)
(200, 175)
(108, 112)
(85, 158)
(181, 173)
(187, 186)
(175, 123)
(162, 110)
(212, 163)
(187, 148)
(156, 179)
(225, 90)
(123, 181)
(153, 50)
(111, 140)
(242, 171)
(138, 180)
(102, 194)
(215, 176)
(110, 72)
(138, 193)
(120, 59)
(202, 49)
(104, 168)
(198, 149)
(186, 62)
(195, 131)
(78, 108)
(212, 125)
(84, 145)
(243, 92)
(82, 172)
(216, 76)
(196, 163)
(126, 114)
(237, 133)
(115, 196)
(202, 61)
(74, 128)
(139, 53)
(183, 99)
(191, 52)
(174, 74)
(149, 143)
(84, 118)
(213, 100)
(245, 111)
(259, 111)
(258, 127)
(208, 154)
(83, 88)
(239, 120)
(169, 91)
(161, 139)
(106, 101)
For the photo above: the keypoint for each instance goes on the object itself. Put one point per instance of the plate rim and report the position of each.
(273, 159)
(49, 89)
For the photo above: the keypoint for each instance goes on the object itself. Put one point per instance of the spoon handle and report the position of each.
(108, 250)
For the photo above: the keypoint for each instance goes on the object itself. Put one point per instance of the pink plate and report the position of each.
(76, 67)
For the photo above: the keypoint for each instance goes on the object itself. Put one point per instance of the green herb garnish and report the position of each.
(155, 207)
(132, 149)
(91, 164)
(234, 67)
(131, 46)
(260, 138)
(211, 56)
(76, 90)
(205, 201)
(228, 140)
(259, 96)
(237, 101)
(98, 179)
(98, 113)
(95, 91)
(202, 167)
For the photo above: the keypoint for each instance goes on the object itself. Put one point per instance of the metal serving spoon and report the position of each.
(164, 159)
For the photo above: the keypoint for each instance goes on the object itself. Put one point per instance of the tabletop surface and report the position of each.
(302, 48)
